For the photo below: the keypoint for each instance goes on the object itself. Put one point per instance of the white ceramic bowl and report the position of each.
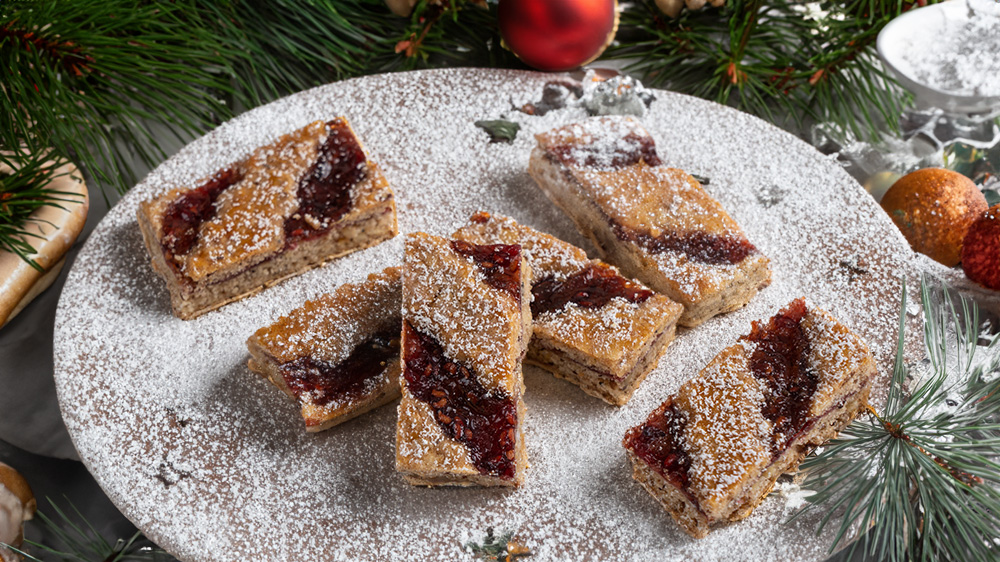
(895, 39)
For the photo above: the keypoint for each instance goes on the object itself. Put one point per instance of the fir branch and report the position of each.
(76, 540)
(767, 58)
(24, 190)
(84, 78)
(922, 476)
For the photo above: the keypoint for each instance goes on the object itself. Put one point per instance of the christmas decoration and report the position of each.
(556, 94)
(618, 95)
(921, 477)
(17, 505)
(502, 548)
(673, 8)
(558, 34)
(500, 130)
(402, 8)
(981, 249)
(933, 208)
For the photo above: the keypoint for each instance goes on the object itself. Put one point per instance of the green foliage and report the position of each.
(82, 78)
(784, 60)
(922, 476)
(87, 78)
(23, 190)
(283, 46)
(454, 33)
(495, 548)
(79, 541)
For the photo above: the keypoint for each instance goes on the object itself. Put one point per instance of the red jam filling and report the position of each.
(624, 152)
(324, 192)
(780, 360)
(323, 382)
(485, 421)
(187, 213)
(701, 247)
(658, 443)
(591, 287)
(500, 264)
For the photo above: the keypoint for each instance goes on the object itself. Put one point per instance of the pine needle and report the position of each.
(921, 477)
(772, 59)
(79, 541)
(22, 192)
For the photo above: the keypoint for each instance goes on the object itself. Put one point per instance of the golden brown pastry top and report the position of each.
(614, 163)
(445, 297)
(330, 327)
(421, 443)
(726, 432)
(608, 332)
(248, 225)
(548, 255)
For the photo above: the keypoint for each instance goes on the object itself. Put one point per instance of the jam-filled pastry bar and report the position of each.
(590, 325)
(712, 451)
(337, 356)
(465, 329)
(654, 222)
(308, 197)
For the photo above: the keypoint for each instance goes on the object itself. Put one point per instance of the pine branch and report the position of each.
(74, 539)
(84, 78)
(290, 45)
(773, 59)
(449, 33)
(23, 191)
(922, 476)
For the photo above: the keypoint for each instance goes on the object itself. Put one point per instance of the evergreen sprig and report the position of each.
(84, 79)
(87, 79)
(23, 190)
(921, 477)
(283, 46)
(74, 539)
(784, 60)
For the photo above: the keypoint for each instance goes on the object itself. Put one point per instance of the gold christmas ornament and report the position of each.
(672, 8)
(401, 8)
(880, 182)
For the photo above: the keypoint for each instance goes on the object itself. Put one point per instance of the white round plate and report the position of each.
(212, 462)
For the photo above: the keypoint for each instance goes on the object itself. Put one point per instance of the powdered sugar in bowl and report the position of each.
(947, 54)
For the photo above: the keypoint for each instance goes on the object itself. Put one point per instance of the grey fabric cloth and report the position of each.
(29, 410)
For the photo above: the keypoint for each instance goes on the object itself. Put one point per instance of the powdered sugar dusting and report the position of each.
(726, 433)
(332, 326)
(954, 50)
(212, 463)
(609, 332)
(445, 297)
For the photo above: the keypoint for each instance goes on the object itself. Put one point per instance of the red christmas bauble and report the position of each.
(557, 34)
